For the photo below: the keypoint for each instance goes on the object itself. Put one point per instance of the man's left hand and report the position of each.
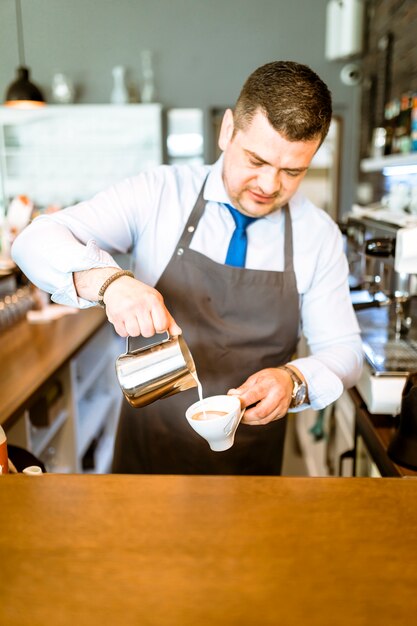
(270, 391)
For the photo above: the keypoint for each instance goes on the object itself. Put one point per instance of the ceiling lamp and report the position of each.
(22, 93)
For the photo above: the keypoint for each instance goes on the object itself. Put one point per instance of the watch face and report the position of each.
(300, 395)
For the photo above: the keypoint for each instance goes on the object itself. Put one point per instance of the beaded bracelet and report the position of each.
(109, 281)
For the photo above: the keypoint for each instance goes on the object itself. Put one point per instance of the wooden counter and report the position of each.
(31, 353)
(185, 551)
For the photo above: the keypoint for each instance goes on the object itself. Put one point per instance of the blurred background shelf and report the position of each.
(61, 154)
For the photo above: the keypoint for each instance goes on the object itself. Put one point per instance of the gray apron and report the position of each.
(236, 321)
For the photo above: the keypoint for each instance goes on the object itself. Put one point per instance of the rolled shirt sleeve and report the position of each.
(81, 237)
(35, 242)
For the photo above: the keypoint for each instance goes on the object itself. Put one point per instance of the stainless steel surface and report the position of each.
(383, 350)
(386, 309)
(393, 357)
(366, 271)
(387, 361)
(155, 371)
(388, 267)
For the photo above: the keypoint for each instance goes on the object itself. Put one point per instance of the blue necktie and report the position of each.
(236, 254)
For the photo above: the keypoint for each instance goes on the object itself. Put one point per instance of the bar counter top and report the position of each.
(188, 550)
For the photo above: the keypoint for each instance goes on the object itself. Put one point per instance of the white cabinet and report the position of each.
(58, 155)
(96, 399)
(71, 423)
(47, 430)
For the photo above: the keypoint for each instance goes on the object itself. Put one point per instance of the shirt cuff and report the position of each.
(324, 387)
(93, 258)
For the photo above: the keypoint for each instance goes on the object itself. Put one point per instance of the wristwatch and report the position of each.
(299, 390)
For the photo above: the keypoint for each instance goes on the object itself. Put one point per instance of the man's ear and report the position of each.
(226, 129)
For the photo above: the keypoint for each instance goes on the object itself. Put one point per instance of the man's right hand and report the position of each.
(133, 307)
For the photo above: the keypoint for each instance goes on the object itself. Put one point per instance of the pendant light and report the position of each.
(22, 93)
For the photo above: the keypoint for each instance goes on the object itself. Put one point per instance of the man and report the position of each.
(241, 323)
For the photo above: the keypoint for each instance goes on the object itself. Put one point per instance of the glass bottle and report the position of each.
(63, 91)
(120, 92)
(148, 86)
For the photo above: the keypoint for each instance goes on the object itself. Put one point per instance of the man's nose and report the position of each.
(269, 181)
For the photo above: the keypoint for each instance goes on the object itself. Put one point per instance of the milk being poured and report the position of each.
(200, 390)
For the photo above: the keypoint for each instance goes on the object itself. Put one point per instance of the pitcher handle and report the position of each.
(149, 344)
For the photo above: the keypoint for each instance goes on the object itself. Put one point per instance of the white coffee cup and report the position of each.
(32, 470)
(219, 431)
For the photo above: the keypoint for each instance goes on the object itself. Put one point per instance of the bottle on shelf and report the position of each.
(402, 133)
(148, 86)
(391, 113)
(63, 91)
(120, 93)
(400, 123)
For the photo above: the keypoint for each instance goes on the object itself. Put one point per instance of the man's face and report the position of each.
(262, 170)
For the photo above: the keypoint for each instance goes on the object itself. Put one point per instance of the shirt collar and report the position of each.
(215, 191)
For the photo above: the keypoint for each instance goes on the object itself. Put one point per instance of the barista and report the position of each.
(241, 323)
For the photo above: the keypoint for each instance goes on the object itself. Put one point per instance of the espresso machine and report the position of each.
(383, 264)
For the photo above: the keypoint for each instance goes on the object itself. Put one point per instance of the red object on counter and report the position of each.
(4, 461)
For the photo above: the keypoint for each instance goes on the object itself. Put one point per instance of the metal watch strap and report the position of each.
(108, 282)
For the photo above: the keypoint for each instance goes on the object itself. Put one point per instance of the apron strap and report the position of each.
(194, 218)
(288, 247)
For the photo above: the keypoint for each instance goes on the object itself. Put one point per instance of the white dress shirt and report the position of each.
(145, 216)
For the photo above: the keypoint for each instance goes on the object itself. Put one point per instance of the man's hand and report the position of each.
(131, 306)
(137, 309)
(271, 390)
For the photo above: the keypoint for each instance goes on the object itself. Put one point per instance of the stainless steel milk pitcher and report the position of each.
(155, 371)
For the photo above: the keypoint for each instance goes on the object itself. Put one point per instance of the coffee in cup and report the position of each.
(208, 415)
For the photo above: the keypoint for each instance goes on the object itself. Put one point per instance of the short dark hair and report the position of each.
(296, 102)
